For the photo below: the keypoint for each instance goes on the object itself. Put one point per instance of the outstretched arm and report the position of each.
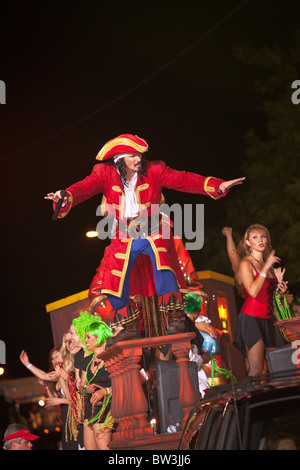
(191, 182)
(81, 191)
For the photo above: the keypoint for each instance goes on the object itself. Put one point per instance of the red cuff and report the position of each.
(211, 186)
(66, 208)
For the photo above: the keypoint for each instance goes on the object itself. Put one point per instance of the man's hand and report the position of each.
(55, 197)
(226, 185)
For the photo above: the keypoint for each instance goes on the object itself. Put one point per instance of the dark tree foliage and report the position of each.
(271, 194)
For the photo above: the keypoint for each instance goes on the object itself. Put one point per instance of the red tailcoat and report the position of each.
(105, 179)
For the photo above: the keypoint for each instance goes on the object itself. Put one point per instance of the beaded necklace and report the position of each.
(105, 401)
(99, 367)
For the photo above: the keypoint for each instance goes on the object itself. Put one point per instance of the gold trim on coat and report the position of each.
(209, 189)
(118, 293)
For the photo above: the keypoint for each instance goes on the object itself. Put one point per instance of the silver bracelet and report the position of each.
(29, 365)
(262, 274)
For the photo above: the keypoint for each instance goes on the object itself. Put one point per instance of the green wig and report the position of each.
(82, 322)
(101, 330)
(194, 303)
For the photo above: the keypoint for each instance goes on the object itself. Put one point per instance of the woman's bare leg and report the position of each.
(102, 437)
(88, 438)
(256, 358)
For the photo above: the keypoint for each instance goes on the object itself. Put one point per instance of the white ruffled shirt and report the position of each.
(131, 208)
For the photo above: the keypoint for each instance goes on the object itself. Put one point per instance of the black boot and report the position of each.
(131, 330)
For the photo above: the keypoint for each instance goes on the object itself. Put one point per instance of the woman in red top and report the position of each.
(255, 323)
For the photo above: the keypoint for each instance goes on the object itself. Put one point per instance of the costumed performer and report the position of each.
(78, 329)
(72, 415)
(132, 187)
(96, 387)
(255, 329)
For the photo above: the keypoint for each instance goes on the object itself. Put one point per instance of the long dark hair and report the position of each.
(120, 166)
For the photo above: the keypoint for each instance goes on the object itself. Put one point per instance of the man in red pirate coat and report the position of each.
(132, 188)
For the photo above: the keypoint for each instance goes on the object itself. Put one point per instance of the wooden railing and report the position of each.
(129, 404)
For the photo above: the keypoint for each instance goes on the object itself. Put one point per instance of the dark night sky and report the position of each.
(80, 73)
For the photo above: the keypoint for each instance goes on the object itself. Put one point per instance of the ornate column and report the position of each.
(129, 405)
(187, 394)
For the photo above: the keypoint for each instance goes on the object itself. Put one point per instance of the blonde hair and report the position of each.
(244, 250)
(67, 357)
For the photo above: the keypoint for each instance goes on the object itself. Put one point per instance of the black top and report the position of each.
(101, 377)
(78, 360)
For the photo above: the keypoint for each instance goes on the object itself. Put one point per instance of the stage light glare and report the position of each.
(91, 234)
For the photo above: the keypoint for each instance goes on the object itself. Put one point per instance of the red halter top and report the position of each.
(260, 306)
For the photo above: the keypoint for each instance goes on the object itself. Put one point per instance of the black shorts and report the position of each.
(249, 330)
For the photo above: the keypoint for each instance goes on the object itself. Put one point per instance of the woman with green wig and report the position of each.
(96, 388)
(77, 330)
(80, 324)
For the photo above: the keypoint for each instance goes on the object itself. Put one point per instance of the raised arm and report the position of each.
(45, 376)
(231, 250)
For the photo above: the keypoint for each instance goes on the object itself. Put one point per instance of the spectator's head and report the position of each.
(18, 437)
